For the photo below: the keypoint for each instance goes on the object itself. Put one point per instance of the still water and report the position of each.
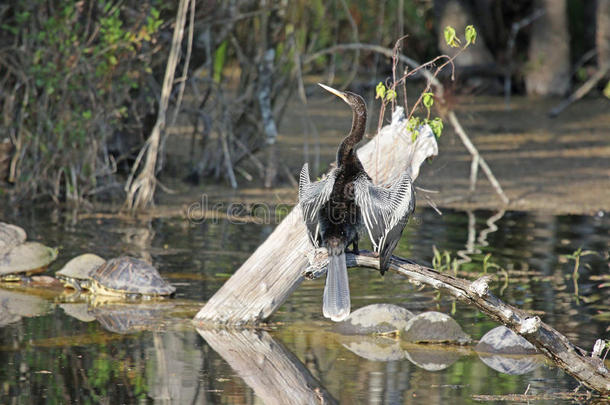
(53, 350)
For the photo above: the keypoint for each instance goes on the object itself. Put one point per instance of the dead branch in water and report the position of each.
(590, 371)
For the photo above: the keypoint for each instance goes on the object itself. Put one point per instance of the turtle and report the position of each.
(25, 259)
(10, 236)
(76, 273)
(129, 277)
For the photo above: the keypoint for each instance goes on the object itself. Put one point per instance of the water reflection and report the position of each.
(374, 348)
(434, 357)
(15, 305)
(53, 350)
(273, 372)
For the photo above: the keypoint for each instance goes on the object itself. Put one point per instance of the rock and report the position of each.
(46, 281)
(434, 327)
(375, 319)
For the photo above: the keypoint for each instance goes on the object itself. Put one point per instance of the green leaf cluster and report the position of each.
(384, 93)
(451, 38)
(415, 123)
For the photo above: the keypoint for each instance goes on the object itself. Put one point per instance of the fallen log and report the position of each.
(589, 370)
(273, 271)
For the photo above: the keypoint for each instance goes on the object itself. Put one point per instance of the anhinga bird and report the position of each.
(338, 206)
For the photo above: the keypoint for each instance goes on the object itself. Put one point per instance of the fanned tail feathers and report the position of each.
(336, 302)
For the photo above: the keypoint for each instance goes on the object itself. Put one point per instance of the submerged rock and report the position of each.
(434, 327)
(375, 319)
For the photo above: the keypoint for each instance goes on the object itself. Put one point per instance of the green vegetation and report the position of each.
(80, 81)
(388, 95)
(78, 74)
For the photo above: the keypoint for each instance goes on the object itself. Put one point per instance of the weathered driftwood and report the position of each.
(273, 271)
(274, 373)
(590, 371)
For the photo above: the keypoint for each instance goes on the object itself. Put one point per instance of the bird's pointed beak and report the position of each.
(334, 91)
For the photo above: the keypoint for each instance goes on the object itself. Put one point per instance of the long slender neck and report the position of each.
(346, 148)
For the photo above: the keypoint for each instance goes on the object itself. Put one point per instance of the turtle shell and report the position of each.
(26, 257)
(126, 275)
(77, 272)
(10, 236)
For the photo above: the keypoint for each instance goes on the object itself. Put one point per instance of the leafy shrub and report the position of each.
(77, 73)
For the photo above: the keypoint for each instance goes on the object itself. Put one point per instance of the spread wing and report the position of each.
(385, 212)
(312, 196)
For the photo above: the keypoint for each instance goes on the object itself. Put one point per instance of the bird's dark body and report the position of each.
(340, 218)
(346, 203)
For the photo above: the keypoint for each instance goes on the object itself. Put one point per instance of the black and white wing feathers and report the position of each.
(312, 196)
(385, 212)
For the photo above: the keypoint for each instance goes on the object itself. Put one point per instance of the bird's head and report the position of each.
(355, 101)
